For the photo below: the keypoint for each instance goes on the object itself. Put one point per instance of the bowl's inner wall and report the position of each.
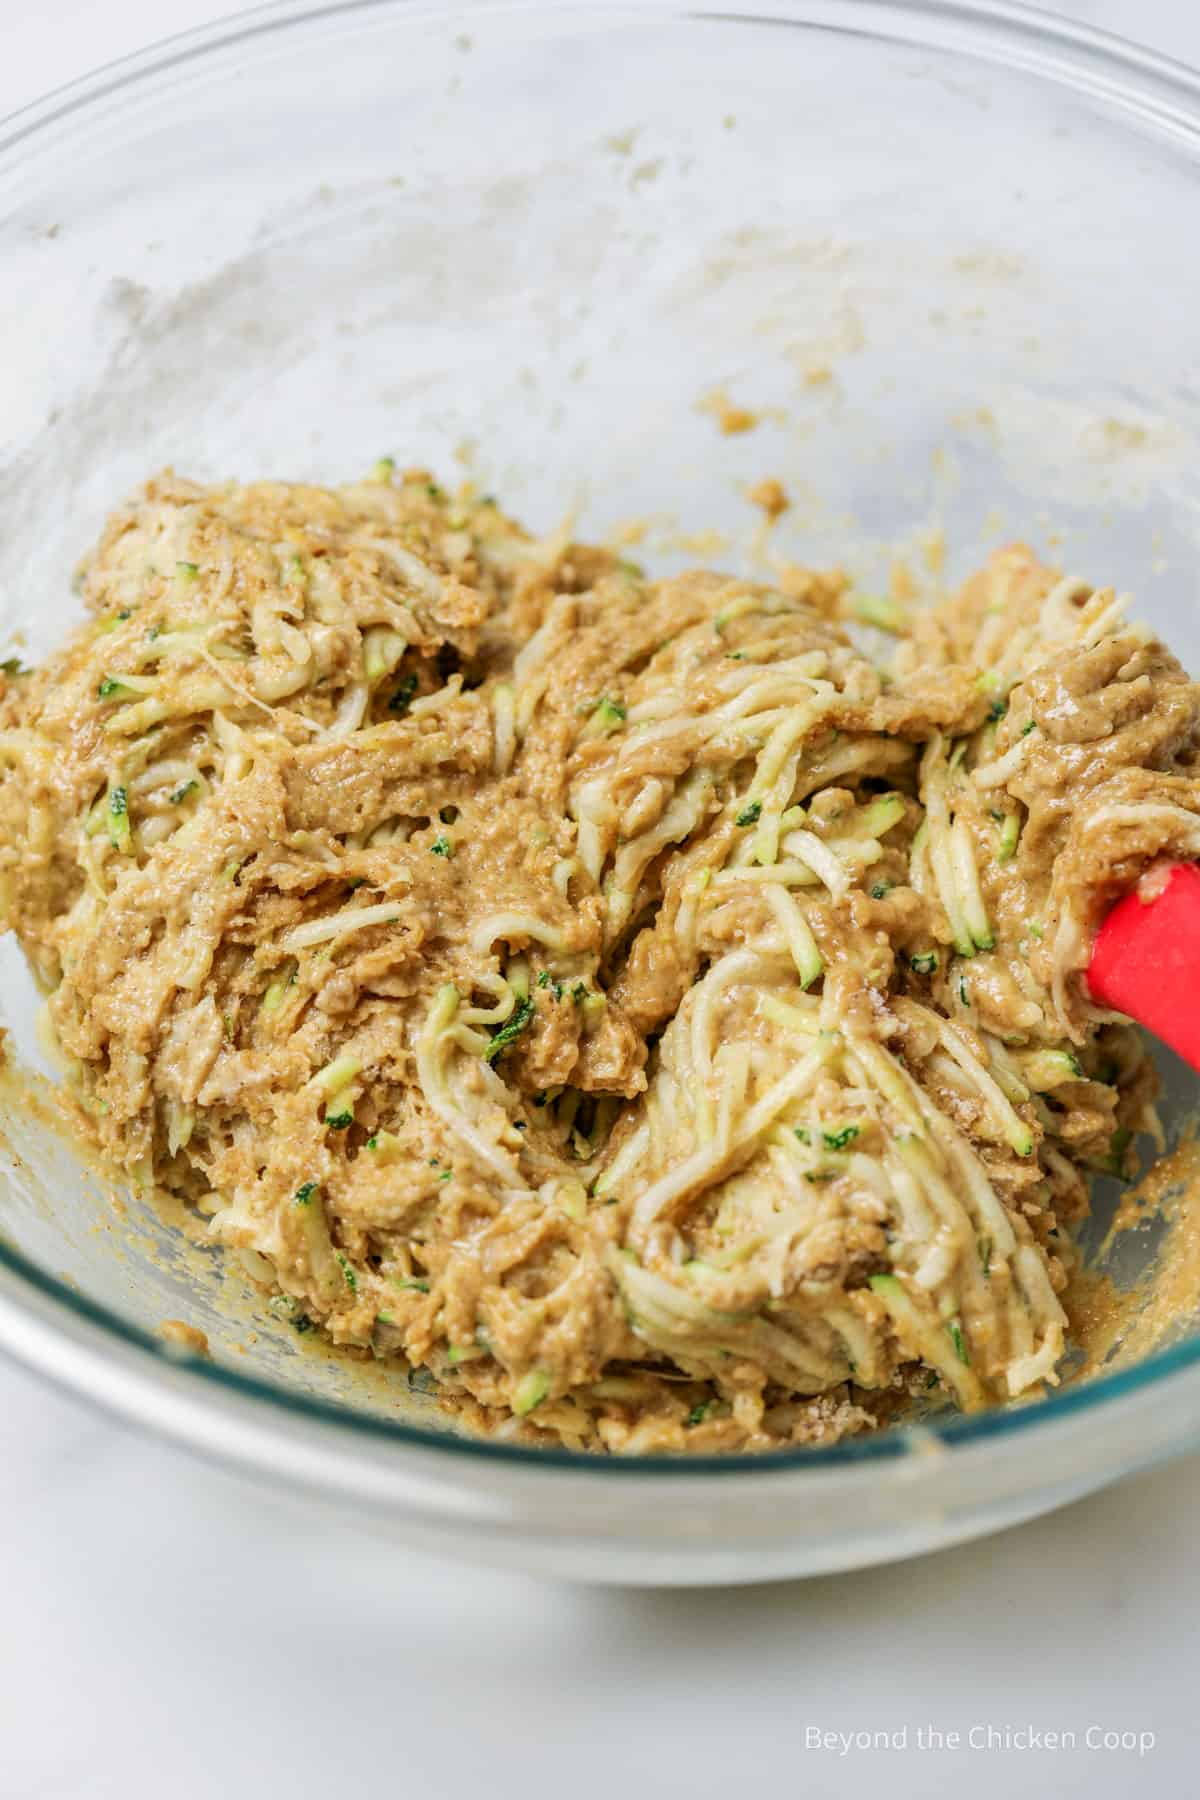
(957, 298)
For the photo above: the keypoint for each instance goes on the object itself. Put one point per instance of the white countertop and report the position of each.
(167, 1632)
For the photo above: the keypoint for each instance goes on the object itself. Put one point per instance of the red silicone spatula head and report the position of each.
(1146, 960)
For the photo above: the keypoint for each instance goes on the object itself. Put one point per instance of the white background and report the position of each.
(164, 1632)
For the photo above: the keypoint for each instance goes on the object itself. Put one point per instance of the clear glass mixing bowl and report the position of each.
(946, 252)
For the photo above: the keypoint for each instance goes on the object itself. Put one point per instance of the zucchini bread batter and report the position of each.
(621, 1000)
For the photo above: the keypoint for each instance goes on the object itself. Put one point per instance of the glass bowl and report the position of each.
(943, 253)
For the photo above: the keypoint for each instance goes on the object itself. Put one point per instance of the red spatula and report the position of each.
(1146, 960)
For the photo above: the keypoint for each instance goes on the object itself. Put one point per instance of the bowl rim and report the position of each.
(1160, 90)
(88, 1349)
